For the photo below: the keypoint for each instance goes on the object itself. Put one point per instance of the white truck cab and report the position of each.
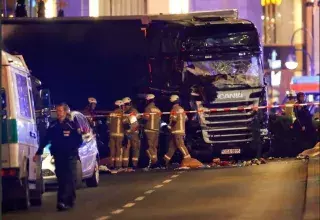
(21, 177)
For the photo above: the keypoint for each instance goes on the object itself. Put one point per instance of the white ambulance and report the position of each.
(21, 178)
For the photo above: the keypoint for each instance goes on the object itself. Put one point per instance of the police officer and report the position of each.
(116, 135)
(176, 125)
(307, 137)
(152, 118)
(65, 139)
(132, 133)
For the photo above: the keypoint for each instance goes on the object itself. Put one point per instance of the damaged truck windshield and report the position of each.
(241, 72)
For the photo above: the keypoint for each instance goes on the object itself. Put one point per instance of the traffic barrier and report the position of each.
(207, 110)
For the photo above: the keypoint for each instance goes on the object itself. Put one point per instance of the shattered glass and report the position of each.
(229, 73)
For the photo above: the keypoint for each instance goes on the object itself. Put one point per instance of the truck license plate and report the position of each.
(231, 151)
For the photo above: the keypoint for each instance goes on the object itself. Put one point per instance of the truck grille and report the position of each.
(227, 126)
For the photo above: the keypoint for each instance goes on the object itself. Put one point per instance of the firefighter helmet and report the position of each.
(126, 100)
(119, 103)
(174, 98)
(92, 100)
(291, 93)
(150, 96)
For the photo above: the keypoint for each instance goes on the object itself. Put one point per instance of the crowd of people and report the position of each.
(293, 129)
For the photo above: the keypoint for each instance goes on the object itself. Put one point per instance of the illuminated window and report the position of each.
(94, 8)
(178, 6)
(23, 96)
(51, 9)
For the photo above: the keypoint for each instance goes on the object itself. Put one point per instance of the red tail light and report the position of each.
(9, 172)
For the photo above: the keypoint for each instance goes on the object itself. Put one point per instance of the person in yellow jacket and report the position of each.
(289, 109)
(132, 134)
(116, 136)
(176, 125)
(152, 117)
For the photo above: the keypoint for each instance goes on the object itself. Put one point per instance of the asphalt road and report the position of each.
(272, 191)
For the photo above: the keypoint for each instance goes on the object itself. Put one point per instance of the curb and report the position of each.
(312, 203)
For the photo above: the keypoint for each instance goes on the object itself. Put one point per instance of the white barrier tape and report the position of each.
(207, 110)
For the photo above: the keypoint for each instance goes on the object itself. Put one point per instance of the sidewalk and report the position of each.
(312, 208)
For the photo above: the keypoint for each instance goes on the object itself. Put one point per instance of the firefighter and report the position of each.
(90, 111)
(132, 134)
(288, 111)
(176, 125)
(152, 118)
(116, 136)
(65, 138)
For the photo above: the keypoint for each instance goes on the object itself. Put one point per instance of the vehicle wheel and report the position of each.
(36, 195)
(79, 175)
(93, 181)
(23, 203)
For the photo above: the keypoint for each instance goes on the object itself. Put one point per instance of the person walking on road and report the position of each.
(176, 125)
(132, 134)
(65, 138)
(116, 136)
(152, 118)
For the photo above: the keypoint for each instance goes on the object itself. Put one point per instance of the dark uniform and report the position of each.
(116, 138)
(307, 138)
(177, 122)
(151, 129)
(65, 139)
(133, 138)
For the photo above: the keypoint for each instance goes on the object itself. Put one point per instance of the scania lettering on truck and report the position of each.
(21, 177)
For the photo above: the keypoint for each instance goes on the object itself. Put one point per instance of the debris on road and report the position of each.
(191, 162)
(310, 153)
(217, 162)
(104, 168)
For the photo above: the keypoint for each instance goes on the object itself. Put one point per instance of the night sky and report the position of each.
(77, 60)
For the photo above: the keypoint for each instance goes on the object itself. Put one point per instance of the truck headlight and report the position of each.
(52, 160)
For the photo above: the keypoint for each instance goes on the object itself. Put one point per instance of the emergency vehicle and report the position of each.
(310, 86)
(21, 177)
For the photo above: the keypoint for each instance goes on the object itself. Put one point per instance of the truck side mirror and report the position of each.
(3, 99)
(45, 98)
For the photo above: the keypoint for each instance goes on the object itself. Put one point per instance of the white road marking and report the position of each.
(118, 211)
(103, 218)
(129, 205)
(149, 191)
(140, 198)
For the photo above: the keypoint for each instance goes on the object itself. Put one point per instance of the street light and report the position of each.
(291, 62)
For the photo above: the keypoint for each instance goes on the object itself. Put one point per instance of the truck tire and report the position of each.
(23, 203)
(79, 175)
(93, 181)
